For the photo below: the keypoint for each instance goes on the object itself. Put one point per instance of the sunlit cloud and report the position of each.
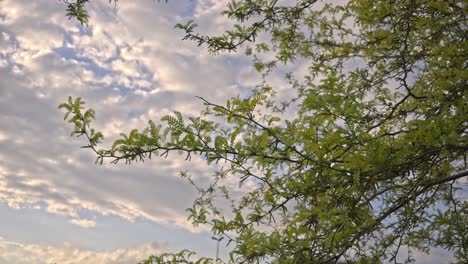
(14, 252)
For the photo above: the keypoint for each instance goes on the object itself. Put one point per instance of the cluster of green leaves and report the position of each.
(374, 158)
(182, 257)
(77, 9)
(82, 121)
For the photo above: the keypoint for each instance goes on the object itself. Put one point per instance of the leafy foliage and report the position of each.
(374, 158)
(77, 9)
(181, 257)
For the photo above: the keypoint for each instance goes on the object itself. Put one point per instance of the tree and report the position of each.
(374, 158)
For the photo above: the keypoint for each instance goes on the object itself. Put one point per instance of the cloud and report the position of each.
(19, 253)
(126, 68)
(435, 256)
(83, 223)
(131, 66)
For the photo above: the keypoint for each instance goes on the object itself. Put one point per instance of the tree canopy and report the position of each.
(373, 159)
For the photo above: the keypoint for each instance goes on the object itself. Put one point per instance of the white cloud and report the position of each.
(3, 136)
(19, 253)
(130, 65)
(85, 223)
(121, 47)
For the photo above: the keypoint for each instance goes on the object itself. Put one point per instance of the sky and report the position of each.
(130, 65)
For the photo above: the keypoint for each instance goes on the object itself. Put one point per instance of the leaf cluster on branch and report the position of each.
(372, 161)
